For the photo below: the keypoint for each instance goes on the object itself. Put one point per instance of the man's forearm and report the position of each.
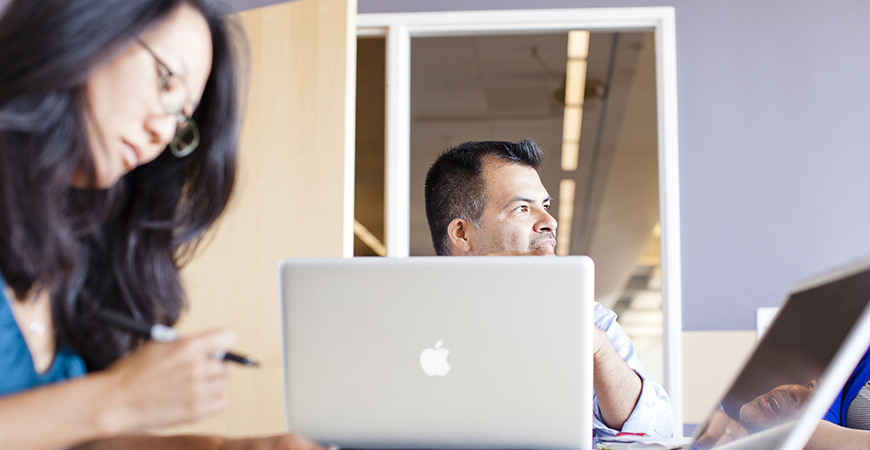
(616, 385)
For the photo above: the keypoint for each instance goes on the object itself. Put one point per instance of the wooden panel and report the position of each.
(711, 360)
(289, 201)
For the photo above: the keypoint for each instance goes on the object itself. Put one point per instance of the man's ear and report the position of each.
(459, 231)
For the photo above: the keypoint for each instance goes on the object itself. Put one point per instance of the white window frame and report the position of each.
(399, 28)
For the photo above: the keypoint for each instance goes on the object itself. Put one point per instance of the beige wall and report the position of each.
(711, 360)
(290, 196)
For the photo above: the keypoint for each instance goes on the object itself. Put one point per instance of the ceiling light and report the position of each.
(566, 215)
(571, 124)
(578, 44)
(575, 82)
(570, 155)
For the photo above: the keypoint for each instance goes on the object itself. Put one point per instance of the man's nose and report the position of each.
(546, 222)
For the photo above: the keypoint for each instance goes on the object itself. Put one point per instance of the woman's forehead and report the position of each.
(183, 43)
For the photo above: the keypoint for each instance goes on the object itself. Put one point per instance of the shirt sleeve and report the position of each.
(652, 414)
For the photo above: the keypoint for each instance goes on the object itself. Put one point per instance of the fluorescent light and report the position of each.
(566, 215)
(575, 87)
(578, 44)
(570, 155)
(368, 238)
(575, 82)
(571, 124)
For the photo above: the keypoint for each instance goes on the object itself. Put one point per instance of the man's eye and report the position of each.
(547, 207)
(522, 208)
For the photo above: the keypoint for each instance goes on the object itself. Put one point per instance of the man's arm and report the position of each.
(616, 385)
(652, 408)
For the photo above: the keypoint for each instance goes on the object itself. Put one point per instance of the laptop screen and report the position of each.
(790, 363)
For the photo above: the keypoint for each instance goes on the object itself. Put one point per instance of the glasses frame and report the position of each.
(184, 123)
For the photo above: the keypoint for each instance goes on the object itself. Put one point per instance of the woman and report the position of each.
(118, 134)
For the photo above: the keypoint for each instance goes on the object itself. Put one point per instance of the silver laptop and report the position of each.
(439, 352)
(798, 367)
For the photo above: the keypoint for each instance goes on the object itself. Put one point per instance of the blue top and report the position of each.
(837, 413)
(16, 365)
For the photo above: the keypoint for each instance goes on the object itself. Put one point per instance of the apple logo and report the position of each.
(434, 360)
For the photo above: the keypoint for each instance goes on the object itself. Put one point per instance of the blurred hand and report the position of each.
(167, 383)
(199, 442)
(282, 442)
(720, 430)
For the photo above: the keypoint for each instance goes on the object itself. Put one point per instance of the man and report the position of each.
(485, 198)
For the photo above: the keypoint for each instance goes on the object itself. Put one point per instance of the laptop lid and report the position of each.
(800, 364)
(439, 352)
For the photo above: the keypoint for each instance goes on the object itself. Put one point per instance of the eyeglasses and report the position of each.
(173, 95)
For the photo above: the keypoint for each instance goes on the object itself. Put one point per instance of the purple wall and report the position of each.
(240, 5)
(774, 153)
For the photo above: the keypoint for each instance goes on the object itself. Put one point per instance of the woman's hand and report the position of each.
(166, 383)
(720, 429)
(281, 442)
(829, 436)
(148, 442)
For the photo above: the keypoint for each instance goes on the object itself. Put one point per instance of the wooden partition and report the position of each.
(290, 199)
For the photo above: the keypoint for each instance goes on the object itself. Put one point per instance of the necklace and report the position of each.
(37, 326)
(37, 323)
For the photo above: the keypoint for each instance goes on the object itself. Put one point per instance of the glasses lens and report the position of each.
(172, 94)
(186, 138)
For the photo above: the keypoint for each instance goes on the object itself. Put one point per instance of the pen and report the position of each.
(159, 332)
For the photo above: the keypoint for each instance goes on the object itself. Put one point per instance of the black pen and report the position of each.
(159, 332)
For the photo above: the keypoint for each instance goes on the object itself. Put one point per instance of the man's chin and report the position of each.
(544, 247)
(543, 250)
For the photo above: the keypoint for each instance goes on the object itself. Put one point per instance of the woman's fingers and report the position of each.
(167, 383)
(213, 342)
(290, 441)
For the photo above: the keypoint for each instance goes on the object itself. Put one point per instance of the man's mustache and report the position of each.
(541, 237)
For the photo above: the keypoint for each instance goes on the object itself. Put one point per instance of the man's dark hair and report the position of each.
(454, 183)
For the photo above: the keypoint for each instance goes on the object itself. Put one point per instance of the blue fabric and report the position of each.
(16, 365)
(837, 413)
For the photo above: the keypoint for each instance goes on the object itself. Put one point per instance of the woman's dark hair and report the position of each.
(455, 188)
(119, 248)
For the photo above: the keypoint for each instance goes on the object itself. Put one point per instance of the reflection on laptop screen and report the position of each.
(787, 367)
